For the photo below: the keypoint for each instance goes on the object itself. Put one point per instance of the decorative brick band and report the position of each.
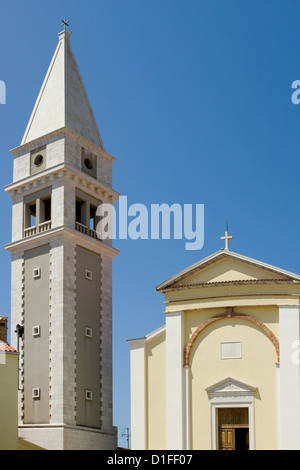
(229, 314)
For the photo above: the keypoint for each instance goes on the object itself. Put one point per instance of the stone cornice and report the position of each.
(62, 131)
(66, 426)
(229, 283)
(63, 231)
(83, 181)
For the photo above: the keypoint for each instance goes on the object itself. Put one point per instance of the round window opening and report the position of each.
(38, 160)
(88, 163)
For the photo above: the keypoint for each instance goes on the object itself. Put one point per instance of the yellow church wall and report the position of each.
(256, 368)
(156, 393)
(9, 401)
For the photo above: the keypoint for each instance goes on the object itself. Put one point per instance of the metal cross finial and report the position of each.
(65, 23)
(227, 238)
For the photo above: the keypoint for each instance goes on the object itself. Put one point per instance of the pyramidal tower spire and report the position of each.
(61, 269)
(63, 101)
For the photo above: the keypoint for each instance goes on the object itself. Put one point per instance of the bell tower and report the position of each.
(61, 299)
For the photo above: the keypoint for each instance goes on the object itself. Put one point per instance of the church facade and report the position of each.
(61, 300)
(223, 372)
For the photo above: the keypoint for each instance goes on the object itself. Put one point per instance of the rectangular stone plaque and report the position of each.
(231, 350)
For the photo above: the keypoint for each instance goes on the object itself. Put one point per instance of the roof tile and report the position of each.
(6, 347)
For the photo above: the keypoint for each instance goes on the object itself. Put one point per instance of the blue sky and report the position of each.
(193, 98)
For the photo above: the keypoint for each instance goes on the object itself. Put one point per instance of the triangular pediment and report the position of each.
(63, 101)
(230, 386)
(227, 267)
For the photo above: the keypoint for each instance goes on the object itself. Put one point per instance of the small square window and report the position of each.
(88, 395)
(36, 331)
(88, 332)
(36, 393)
(88, 274)
(36, 273)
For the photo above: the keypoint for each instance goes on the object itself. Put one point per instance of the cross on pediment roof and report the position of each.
(227, 237)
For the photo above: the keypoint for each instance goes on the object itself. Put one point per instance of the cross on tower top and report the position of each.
(227, 237)
(65, 23)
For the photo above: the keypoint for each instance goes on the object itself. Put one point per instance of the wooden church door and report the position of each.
(233, 426)
(226, 438)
